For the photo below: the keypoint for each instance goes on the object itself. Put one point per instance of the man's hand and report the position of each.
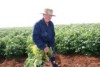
(46, 50)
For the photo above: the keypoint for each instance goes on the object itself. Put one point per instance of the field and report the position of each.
(78, 45)
(67, 61)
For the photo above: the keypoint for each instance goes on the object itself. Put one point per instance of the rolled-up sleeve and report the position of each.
(36, 37)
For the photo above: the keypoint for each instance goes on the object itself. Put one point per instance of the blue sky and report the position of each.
(18, 13)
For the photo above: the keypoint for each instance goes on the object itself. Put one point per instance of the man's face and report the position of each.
(47, 17)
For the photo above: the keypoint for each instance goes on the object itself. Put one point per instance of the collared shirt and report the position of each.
(43, 34)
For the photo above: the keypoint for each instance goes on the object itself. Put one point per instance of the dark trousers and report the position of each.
(53, 59)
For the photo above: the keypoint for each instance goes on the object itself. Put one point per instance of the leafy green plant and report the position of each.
(70, 39)
(36, 56)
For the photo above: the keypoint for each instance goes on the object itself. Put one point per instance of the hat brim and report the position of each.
(47, 14)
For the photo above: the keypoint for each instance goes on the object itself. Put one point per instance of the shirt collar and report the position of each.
(44, 22)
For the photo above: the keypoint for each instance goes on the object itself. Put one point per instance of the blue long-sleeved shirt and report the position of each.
(43, 34)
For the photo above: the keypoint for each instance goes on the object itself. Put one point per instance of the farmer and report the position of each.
(44, 34)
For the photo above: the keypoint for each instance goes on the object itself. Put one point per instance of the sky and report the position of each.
(22, 13)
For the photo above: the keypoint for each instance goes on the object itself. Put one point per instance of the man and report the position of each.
(44, 34)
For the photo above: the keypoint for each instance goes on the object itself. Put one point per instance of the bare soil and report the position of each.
(66, 61)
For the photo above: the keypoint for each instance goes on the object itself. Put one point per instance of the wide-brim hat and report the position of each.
(48, 11)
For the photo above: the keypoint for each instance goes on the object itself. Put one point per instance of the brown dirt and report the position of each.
(67, 61)
(13, 62)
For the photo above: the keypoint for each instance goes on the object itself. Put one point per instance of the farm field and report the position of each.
(78, 45)
(67, 61)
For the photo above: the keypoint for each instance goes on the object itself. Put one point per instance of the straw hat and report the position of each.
(48, 11)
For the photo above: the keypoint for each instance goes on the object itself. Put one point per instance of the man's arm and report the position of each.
(53, 37)
(36, 37)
